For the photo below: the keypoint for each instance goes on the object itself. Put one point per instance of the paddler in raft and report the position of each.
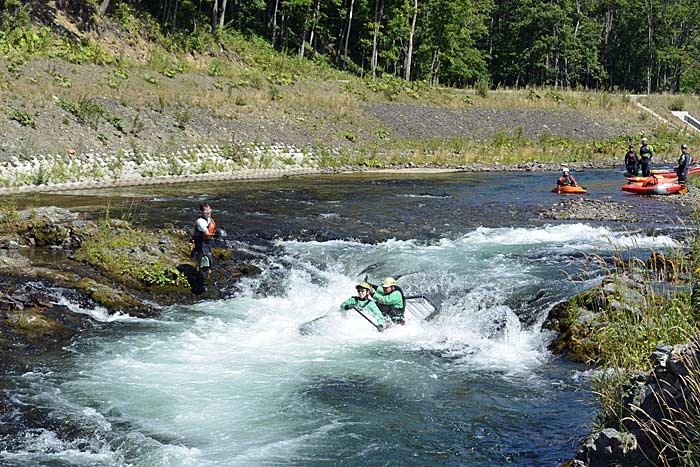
(391, 301)
(364, 304)
(566, 178)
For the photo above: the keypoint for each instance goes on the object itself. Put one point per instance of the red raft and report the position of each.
(569, 190)
(655, 185)
(694, 170)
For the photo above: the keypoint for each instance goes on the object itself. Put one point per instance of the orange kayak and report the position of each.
(569, 190)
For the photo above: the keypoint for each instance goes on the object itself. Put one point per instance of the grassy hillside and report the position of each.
(105, 84)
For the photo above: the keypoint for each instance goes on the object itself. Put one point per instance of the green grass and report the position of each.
(111, 251)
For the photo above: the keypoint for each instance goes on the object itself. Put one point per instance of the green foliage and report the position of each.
(163, 276)
(22, 117)
(677, 104)
(275, 93)
(9, 216)
(128, 255)
(87, 111)
(183, 115)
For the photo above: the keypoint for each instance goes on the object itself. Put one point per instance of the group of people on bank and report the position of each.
(639, 164)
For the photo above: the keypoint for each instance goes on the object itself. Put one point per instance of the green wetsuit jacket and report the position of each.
(393, 299)
(366, 306)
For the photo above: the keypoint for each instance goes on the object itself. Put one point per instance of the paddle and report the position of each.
(379, 328)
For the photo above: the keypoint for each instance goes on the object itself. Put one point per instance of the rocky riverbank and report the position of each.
(49, 253)
(622, 324)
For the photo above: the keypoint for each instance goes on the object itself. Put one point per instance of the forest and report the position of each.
(641, 46)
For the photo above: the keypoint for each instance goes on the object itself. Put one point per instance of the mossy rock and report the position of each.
(33, 324)
(249, 270)
(222, 254)
(50, 235)
(59, 277)
(109, 297)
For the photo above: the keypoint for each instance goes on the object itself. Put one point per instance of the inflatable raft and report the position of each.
(418, 308)
(694, 170)
(659, 188)
(569, 190)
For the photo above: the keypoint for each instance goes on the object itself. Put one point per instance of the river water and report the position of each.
(234, 383)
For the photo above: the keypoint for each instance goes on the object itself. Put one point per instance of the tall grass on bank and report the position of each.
(626, 337)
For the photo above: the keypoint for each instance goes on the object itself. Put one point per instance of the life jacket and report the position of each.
(201, 239)
(392, 311)
(211, 229)
(565, 180)
(631, 159)
(645, 152)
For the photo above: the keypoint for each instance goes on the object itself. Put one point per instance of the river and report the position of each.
(234, 383)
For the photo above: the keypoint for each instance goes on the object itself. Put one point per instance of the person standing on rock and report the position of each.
(646, 152)
(204, 230)
(631, 161)
(684, 162)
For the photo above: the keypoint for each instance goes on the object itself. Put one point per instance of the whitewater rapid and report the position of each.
(234, 383)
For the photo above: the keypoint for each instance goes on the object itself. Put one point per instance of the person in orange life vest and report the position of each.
(566, 179)
(204, 230)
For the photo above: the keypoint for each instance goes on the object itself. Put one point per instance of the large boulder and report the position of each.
(576, 320)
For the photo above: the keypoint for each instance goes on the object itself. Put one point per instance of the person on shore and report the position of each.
(69, 157)
(364, 303)
(631, 161)
(391, 301)
(204, 230)
(646, 153)
(566, 178)
(684, 162)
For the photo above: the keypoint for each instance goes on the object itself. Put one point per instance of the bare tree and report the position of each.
(347, 31)
(378, 13)
(214, 15)
(222, 17)
(273, 21)
(409, 55)
(103, 7)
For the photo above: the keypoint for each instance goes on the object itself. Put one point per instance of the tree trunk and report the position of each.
(222, 16)
(214, 15)
(347, 31)
(174, 25)
(103, 7)
(314, 20)
(274, 22)
(378, 13)
(409, 55)
(649, 55)
(434, 65)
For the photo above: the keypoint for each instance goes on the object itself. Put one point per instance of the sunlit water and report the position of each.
(234, 383)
